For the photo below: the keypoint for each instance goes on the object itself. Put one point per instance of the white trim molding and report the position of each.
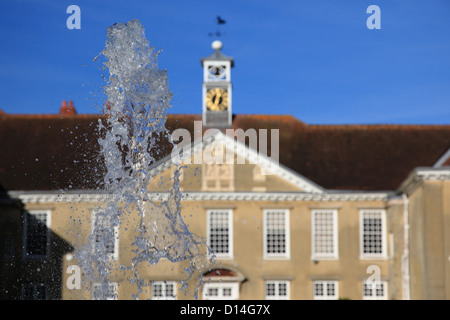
(283, 196)
(445, 157)
(33, 197)
(419, 175)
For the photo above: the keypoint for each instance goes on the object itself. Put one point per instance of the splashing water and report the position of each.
(138, 98)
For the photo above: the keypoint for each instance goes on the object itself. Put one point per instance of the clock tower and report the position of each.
(217, 111)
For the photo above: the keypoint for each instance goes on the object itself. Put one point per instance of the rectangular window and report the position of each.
(34, 291)
(325, 290)
(324, 234)
(220, 232)
(277, 290)
(106, 235)
(221, 291)
(375, 291)
(37, 233)
(373, 233)
(164, 290)
(276, 234)
(105, 291)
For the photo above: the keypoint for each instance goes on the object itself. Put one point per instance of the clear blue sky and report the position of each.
(313, 59)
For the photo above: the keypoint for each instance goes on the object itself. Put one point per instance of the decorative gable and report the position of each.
(223, 164)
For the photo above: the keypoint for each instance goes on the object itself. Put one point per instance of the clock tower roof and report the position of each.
(217, 55)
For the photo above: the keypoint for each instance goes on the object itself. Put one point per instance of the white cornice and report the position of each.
(283, 196)
(52, 197)
(57, 197)
(414, 179)
(424, 174)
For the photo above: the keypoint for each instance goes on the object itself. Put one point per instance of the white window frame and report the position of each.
(325, 283)
(220, 286)
(113, 295)
(383, 254)
(220, 255)
(164, 285)
(285, 255)
(115, 254)
(277, 295)
(320, 255)
(28, 213)
(373, 295)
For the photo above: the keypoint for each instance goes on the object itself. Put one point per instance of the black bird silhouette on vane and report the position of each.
(220, 20)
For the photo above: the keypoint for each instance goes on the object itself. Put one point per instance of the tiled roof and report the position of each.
(53, 152)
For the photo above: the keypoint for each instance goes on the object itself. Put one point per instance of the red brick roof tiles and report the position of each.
(52, 152)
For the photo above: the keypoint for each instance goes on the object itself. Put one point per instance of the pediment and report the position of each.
(220, 163)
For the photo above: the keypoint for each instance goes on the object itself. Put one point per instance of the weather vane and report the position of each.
(219, 21)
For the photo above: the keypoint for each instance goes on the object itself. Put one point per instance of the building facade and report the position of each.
(335, 212)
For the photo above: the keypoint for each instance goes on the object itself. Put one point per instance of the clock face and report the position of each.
(217, 99)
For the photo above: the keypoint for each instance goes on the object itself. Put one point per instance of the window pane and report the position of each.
(325, 289)
(164, 290)
(323, 233)
(277, 290)
(219, 229)
(276, 232)
(105, 234)
(104, 291)
(318, 289)
(375, 291)
(170, 290)
(157, 290)
(282, 289)
(227, 292)
(213, 292)
(330, 289)
(372, 228)
(36, 234)
(270, 289)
